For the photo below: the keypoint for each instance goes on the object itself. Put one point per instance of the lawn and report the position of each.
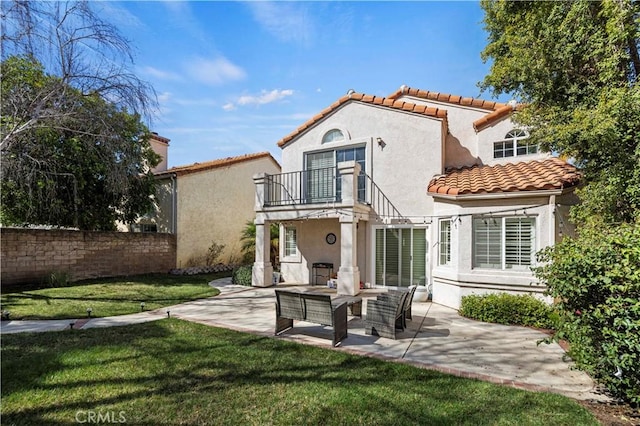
(108, 297)
(174, 372)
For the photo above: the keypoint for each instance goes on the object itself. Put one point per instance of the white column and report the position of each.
(349, 273)
(349, 172)
(259, 180)
(262, 274)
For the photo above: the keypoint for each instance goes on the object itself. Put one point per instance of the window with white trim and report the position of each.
(504, 242)
(290, 241)
(514, 144)
(444, 253)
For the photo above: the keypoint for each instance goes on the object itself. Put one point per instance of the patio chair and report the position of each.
(406, 309)
(384, 315)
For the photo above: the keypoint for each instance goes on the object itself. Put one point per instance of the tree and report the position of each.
(575, 67)
(74, 150)
(75, 44)
(70, 173)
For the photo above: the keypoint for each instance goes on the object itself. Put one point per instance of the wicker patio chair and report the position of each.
(384, 315)
(410, 291)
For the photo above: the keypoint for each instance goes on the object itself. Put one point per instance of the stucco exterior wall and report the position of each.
(411, 156)
(464, 145)
(313, 248)
(214, 206)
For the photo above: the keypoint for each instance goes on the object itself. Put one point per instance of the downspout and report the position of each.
(552, 220)
(174, 204)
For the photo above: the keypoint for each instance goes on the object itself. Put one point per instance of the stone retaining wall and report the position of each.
(32, 255)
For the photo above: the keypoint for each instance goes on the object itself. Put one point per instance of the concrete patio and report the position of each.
(436, 338)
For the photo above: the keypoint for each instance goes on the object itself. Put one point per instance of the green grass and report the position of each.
(108, 297)
(174, 372)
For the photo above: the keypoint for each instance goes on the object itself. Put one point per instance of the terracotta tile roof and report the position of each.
(222, 162)
(159, 138)
(551, 173)
(368, 99)
(492, 117)
(444, 97)
(498, 110)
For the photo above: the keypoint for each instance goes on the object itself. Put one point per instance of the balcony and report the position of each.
(322, 186)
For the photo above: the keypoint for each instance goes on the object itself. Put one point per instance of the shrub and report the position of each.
(503, 308)
(213, 253)
(242, 275)
(58, 279)
(595, 279)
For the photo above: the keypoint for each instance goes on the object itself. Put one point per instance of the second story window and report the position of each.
(334, 135)
(515, 143)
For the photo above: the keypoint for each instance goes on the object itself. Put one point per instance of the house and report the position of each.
(207, 203)
(415, 188)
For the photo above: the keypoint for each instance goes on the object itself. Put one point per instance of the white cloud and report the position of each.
(214, 72)
(288, 21)
(160, 74)
(164, 97)
(265, 97)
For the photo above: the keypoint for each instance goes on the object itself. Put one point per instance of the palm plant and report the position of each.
(248, 239)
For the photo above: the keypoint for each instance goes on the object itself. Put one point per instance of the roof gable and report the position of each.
(390, 103)
(446, 98)
(498, 110)
(548, 174)
(222, 162)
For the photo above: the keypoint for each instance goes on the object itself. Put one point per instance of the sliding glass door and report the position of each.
(401, 256)
(322, 180)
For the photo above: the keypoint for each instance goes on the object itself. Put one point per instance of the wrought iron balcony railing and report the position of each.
(322, 186)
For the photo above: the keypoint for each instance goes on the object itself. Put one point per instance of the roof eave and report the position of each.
(504, 195)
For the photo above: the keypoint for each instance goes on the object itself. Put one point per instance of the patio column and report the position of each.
(262, 273)
(349, 273)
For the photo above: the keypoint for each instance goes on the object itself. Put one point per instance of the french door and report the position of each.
(401, 256)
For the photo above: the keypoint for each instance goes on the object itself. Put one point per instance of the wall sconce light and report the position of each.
(381, 143)
(89, 310)
(141, 306)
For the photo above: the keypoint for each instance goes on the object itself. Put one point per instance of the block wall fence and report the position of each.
(31, 255)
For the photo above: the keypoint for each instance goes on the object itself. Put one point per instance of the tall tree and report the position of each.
(87, 169)
(73, 146)
(575, 66)
(73, 42)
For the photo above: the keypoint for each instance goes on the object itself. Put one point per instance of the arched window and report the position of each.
(333, 135)
(514, 144)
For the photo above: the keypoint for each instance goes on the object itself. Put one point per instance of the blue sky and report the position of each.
(234, 78)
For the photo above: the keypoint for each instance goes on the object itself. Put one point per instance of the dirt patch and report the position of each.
(613, 413)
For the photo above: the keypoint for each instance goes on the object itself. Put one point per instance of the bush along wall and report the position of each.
(595, 280)
(503, 308)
